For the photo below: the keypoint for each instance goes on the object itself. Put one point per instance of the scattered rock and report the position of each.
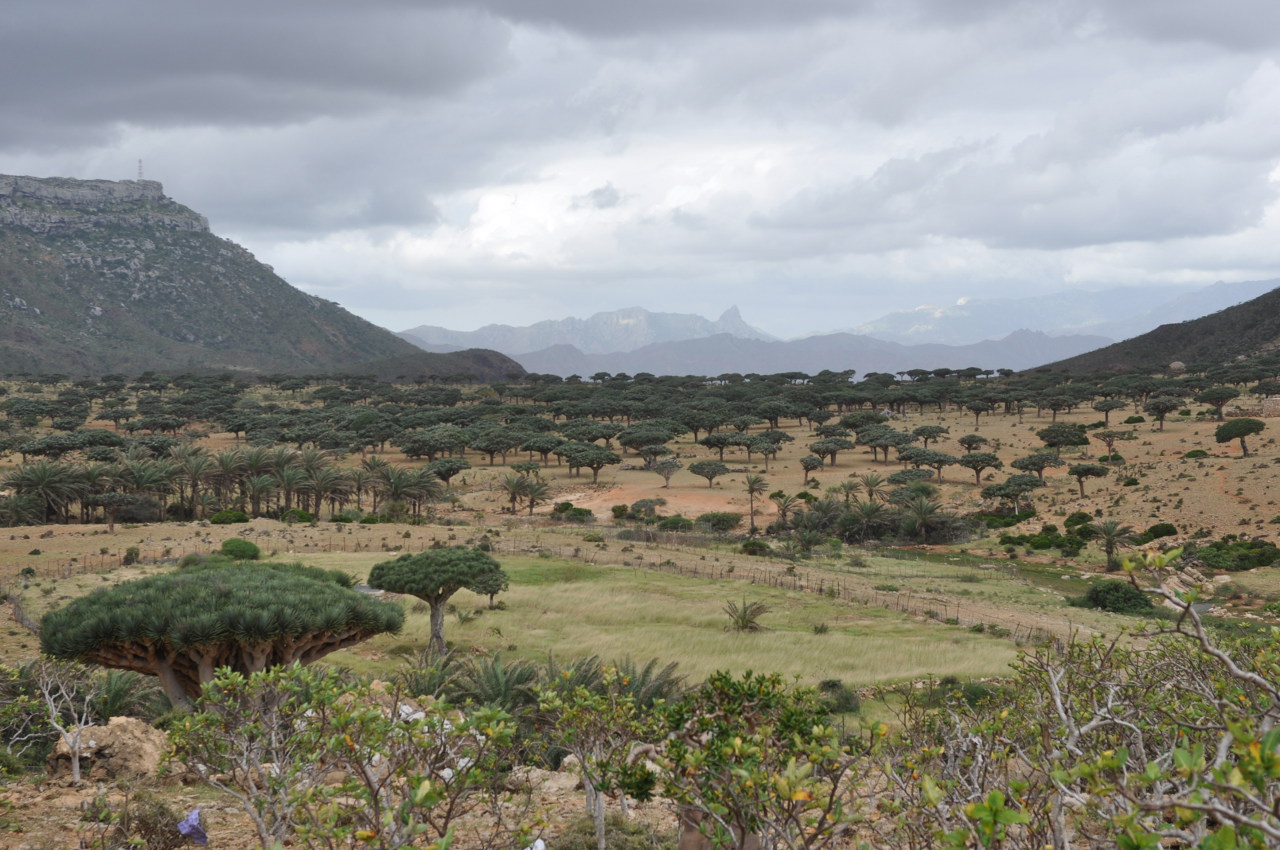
(125, 747)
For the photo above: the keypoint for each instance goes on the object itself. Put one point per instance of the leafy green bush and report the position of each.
(1004, 520)
(228, 517)
(1118, 597)
(719, 521)
(676, 523)
(239, 549)
(1231, 554)
(566, 512)
(1135, 420)
(1129, 482)
(837, 697)
(1194, 454)
(1155, 532)
(296, 515)
(1078, 518)
(756, 547)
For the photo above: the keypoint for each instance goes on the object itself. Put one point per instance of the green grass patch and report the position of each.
(574, 610)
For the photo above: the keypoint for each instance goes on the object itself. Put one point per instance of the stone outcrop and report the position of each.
(125, 747)
(61, 205)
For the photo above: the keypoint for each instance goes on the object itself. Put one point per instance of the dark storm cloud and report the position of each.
(84, 66)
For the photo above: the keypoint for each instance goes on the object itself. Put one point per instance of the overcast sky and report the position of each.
(816, 162)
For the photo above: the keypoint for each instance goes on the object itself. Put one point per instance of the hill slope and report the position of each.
(1245, 330)
(99, 276)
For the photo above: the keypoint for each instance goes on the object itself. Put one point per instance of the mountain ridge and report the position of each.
(626, 329)
(723, 353)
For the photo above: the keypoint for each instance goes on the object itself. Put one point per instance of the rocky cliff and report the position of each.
(59, 206)
(99, 276)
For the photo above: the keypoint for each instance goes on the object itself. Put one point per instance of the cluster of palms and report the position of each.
(865, 507)
(525, 485)
(514, 685)
(192, 482)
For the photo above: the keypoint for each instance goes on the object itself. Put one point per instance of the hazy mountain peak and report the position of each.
(626, 329)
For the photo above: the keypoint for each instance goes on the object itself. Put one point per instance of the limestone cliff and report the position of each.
(99, 276)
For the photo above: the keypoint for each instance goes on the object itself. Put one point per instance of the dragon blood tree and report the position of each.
(183, 626)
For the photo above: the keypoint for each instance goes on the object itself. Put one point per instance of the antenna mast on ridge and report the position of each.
(139, 169)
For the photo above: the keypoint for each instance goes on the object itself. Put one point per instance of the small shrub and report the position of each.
(131, 555)
(1135, 420)
(240, 549)
(1129, 482)
(837, 697)
(821, 628)
(756, 548)
(1195, 454)
(1118, 597)
(887, 588)
(720, 521)
(228, 517)
(296, 515)
(1160, 529)
(676, 523)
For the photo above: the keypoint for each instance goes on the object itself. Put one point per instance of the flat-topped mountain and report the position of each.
(100, 276)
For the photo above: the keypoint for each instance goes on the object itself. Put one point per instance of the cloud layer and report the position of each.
(816, 163)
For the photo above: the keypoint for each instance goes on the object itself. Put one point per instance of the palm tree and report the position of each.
(745, 617)
(867, 519)
(921, 515)
(493, 683)
(291, 478)
(148, 478)
(228, 466)
(95, 479)
(537, 491)
(257, 488)
(53, 483)
(1113, 536)
(360, 482)
(256, 460)
(330, 483)
(195, 468)
(756, 485)
(785, 505)
(513, 486)
(873, 485)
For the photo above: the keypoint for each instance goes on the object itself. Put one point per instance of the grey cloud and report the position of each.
(601, 198)
(91, 66)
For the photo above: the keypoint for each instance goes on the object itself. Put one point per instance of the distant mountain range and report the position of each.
(723, 353)
(1245, 331)
(620, 330)
(99, 276)
(1116, 313)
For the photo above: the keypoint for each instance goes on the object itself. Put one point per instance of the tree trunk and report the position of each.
(437, 624)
